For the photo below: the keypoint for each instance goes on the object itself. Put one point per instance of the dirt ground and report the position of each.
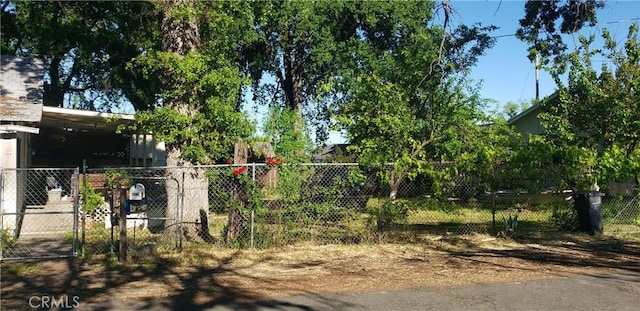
(205, 276)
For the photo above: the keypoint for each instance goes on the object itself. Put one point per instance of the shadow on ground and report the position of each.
(569, 250)
(94, 283)
(226, 277)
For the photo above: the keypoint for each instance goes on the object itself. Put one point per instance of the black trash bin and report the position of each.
(589, 205)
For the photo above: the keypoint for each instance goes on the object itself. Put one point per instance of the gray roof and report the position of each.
(534, 109)
(21, 88)
(328, 151)
(531, 110)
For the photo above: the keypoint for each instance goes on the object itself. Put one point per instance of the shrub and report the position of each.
(92, 200)
(7, 240)
(564, 218)
(383, 215)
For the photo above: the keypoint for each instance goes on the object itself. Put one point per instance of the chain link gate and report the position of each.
(149, 199)
(39, 213)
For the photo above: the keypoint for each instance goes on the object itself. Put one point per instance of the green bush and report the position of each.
(564, 218)
(384, 215)
(7, 240)
(92, 200)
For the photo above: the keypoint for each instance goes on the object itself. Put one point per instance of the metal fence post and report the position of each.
(76, 209)
(180, 211)
(253, 209)
(84, 206)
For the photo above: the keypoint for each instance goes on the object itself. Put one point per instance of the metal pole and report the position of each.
(84, 209)
(252, 226)
(537, 80)
(180, 210)
(76, 209)
(253, 208)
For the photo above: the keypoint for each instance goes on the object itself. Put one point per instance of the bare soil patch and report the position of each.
(205, 275)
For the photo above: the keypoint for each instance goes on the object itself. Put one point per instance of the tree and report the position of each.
(303, 47)
(289, 142)
(405, 92)
(540, 29)
(174, 60)
(295, 51)
(598, 109)
(512, 109)
(198, 118)
(86, 47)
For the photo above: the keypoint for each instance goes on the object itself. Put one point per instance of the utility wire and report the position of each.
(595, 25)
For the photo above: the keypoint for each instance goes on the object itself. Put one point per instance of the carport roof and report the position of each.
(83, 119)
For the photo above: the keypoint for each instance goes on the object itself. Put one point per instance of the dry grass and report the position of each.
(203, 274)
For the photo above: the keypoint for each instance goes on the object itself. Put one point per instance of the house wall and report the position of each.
(528, 125)
(145, 151)
(8, 190)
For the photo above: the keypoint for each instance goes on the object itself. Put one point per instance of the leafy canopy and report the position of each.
(406, 99)
(598, 110)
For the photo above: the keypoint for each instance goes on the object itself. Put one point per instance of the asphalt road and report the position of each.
(602, 292)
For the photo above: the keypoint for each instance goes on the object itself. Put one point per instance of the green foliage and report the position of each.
(564, 218)
(545, 21)
(406, 100)
(7, 240)
(385, 214)
(485, 153)
(116, 179)
(598, 106)
(308, 204)
(304, 47)
(201, 114)
(538, 161)
(593, 126)
(616, 164)
(288, 134)
(91, 199)
(510, 223)
(511, 109)
(85, 46)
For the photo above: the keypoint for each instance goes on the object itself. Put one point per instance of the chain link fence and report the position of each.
(38, 213)
(147, 210)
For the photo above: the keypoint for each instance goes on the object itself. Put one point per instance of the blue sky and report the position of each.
(505, 70)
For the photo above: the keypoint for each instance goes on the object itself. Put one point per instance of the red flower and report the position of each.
(279, 160)
(229, 160)
(239, 171)
(271, 162)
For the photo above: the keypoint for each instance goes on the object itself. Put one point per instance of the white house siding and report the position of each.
(8, 184)
(145, 151)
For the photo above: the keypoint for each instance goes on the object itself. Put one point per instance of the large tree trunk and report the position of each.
(181, 35)
(187, 202)
(53, 93)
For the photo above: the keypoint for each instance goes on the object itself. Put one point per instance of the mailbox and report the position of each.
(136, 192)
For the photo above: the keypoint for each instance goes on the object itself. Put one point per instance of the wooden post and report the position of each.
(235, 220)
(122, 212)
(270, 179)
(240, 153)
